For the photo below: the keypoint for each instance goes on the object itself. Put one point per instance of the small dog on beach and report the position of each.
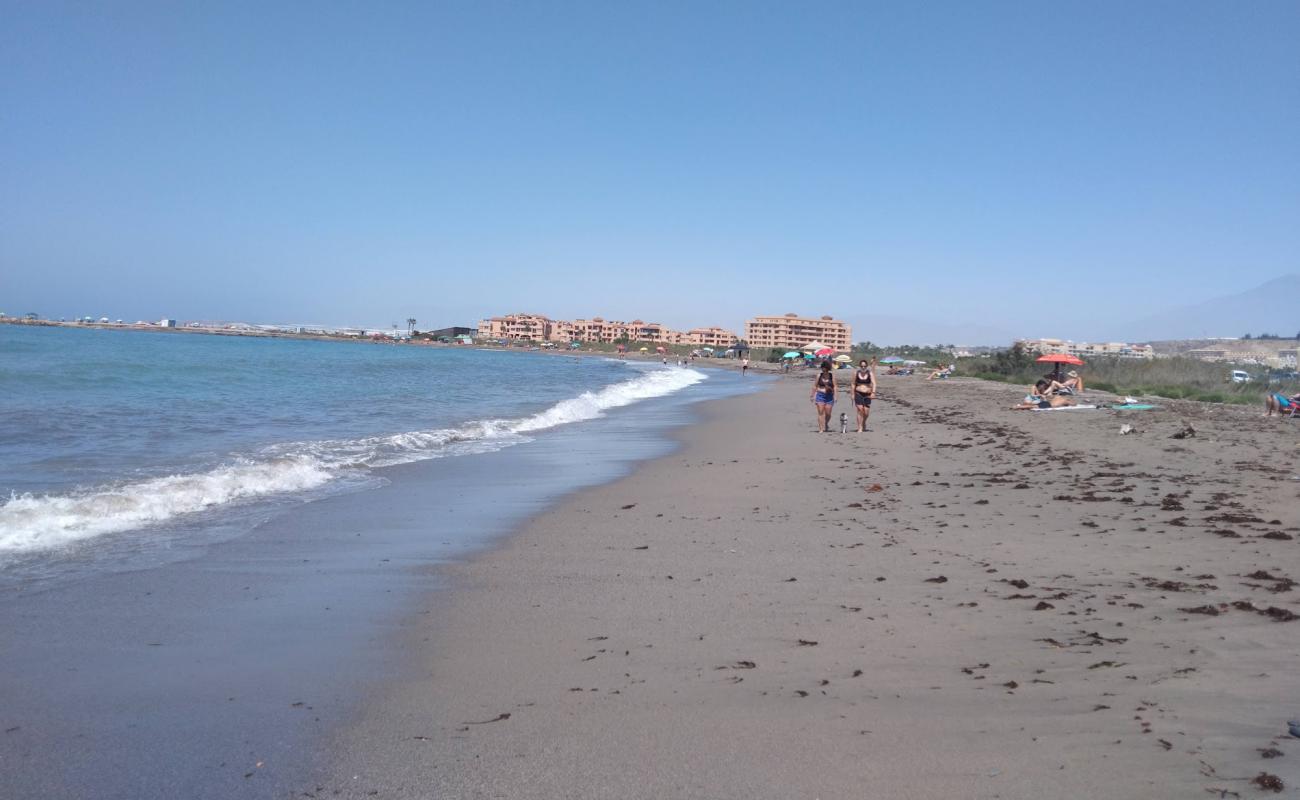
(844, 422)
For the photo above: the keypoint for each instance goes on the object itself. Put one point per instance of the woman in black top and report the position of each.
(823, 397)
(864, 391)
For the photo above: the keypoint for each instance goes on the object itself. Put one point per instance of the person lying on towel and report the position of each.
(1281, 404)
(1040, 396)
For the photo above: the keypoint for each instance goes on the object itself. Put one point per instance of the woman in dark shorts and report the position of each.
(864, 391)
(823, 397)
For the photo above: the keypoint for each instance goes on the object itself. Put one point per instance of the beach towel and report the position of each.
(1134, 406)
(1064, 408)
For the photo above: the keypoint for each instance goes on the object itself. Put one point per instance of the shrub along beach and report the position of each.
(1174, 378)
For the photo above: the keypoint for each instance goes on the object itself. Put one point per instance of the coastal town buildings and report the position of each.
(793, 331)
(538, 328)
(717, 338)
(1086, 349)
(597, 329)
(648, 331)
(517, 327)
(1269, 357)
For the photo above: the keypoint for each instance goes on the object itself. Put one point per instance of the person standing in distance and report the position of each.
(864, 391)
(744, 366)
(823, 397)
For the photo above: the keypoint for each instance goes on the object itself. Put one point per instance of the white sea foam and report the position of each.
(31, 523)
(590, 405)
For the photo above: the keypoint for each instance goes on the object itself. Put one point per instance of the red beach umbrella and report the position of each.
(1060, 358)
(825, 351)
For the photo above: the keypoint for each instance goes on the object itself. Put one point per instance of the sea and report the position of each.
(210, 545)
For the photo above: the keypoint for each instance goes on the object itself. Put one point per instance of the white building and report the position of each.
(1087, 349)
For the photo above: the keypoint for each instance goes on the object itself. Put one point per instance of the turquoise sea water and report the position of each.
(212, 549)
(113, 442)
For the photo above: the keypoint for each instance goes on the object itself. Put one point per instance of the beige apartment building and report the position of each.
(714, 337)
(598, 329)
(1086, 349)
(1238, 354)
(538, 328)
(649, 332)
(517, 327)
(562, 331)
(793, 331)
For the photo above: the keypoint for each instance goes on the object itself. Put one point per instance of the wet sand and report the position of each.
(214, 665)
(964, 602)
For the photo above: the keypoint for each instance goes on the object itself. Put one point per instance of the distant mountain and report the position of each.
(890, 330)
(1272, 307)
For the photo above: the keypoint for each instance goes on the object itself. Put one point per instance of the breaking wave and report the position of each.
(31, 523)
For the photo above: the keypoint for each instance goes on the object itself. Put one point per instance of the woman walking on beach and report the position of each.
(823, 397)
(864, 391)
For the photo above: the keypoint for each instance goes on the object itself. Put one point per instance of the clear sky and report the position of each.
(688, 163)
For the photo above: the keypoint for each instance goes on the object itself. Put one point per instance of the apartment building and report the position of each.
(598, 329)
(717, 338)
(793, 331)
(1286, 359)
(1086, 349)
(517, 327)
(538, 328)
(648, 331)
(562, 331)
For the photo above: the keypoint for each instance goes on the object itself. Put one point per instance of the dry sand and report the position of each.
(964, 602)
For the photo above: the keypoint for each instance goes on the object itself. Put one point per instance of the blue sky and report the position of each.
(1045, 168)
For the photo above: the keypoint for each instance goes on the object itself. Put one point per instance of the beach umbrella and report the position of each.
(825, 351)
(660, 350)
(844, 358)
(813, 347)
(792, 354)
(707, 349)
(891, 360)
(1058, 359)
(645, 349)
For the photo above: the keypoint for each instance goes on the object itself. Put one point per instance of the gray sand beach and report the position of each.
(963, 602)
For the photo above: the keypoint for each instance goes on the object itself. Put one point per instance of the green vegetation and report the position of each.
(1173, 378)
(1268, 336)
(932, 355)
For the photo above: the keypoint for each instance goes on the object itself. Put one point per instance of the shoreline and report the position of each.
(717, 363)
(240, 658)
(749, 616)
(758, 367)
